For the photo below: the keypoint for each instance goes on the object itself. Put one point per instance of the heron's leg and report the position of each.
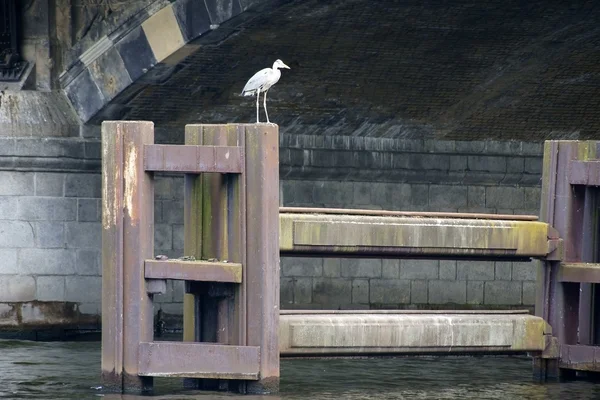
(257, 99)
(265, 105)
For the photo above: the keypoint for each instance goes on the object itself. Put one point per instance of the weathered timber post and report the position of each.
(231, 273)
(127, 240)
(214, 212)
(236, 217)
(567, 295)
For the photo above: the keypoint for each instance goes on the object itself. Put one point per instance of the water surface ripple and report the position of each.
(71, 370)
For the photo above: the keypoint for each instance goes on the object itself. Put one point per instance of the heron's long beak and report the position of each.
(285, 66)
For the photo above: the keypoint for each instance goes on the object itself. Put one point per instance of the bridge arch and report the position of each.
(388, 72)
(150, 37)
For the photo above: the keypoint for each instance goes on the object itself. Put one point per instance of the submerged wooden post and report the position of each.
(128, 239)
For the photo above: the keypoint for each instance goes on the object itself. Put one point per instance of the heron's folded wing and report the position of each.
(258, 80)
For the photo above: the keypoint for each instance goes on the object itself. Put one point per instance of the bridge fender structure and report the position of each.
(153, 36)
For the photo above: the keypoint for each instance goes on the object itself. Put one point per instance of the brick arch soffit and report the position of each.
(119, 59)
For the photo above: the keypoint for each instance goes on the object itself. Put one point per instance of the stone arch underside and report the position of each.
(149, 37)
(464, 70)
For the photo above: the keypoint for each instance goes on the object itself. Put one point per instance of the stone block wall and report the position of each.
(50, 238)
(50, 229)
(354, 283)
(50, 245)
(409, 175)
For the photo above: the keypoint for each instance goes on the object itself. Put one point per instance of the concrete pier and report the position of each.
(351, 333)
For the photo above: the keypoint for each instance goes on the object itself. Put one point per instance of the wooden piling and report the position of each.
(231, 273)
(262, 254)
(128, 239)
(565, 293)
(218, 219)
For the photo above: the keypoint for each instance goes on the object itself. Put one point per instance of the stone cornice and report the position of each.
(50, 154)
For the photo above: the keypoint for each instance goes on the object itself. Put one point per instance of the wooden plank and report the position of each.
(262, 248)
(237, 238)
(205, 271)
(209, 234)
(584, 173)
(580, 357)
(193, 158)
(579, 272)
(138, 233)
(198, 360)
(192, 244)
(112, 255)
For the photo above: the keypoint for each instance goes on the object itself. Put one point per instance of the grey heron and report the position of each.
(262, 82)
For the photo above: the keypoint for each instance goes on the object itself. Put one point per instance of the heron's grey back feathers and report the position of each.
(261, 81)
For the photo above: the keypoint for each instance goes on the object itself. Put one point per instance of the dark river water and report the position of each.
(70, 370)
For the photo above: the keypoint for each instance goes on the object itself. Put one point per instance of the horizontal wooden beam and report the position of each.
(584, 173)
(193, 159)
(198, 360)
(580, 357)
(206, 271)
(579, 272)
(337, 235)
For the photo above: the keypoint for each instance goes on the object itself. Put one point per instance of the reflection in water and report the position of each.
(36, 370)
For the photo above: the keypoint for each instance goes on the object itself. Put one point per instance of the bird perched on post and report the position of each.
(262, 82)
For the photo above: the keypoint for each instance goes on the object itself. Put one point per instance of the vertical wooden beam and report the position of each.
(212, 312)
(262, 250)
(138, 237)
(549, 170)
(564, 207)
(588, 230)
(127, 240)
(192, 211)
(236, 229)
(112, 256)
(193, 230)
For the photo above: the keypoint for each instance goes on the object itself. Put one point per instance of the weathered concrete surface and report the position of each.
(338, 234)
(35, 315)
(113, 53)
(37, 114)
(405, 333)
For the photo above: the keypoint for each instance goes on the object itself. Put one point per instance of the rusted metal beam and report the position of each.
(198, 360)
(193, 159)
(392, 236)
(579, 272)
(206, 271)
